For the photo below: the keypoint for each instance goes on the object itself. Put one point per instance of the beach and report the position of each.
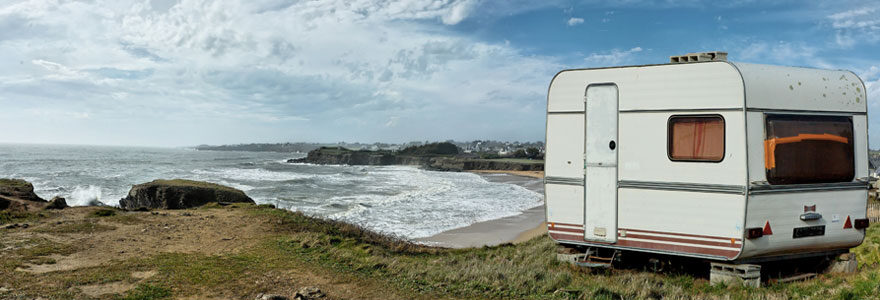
(512, 229)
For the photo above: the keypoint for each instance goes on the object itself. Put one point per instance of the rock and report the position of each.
(180, 194)
(57, 203)
(845, 263)
(308, 293)
(18, 188)
(271, 297)
(11, 226)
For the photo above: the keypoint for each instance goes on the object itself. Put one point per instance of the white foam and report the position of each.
(84, 195)
(433, 202)
(251, 174)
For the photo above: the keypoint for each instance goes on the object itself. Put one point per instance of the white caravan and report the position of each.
(710, 159)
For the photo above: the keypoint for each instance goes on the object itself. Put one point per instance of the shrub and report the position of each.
(444, 148)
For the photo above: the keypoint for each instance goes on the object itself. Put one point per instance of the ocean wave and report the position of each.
(251, 174)
(85, 195)
(433, 202)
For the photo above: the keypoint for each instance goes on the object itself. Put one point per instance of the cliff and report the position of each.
(438, 162)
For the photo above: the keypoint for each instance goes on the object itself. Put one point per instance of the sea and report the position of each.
(403, 201)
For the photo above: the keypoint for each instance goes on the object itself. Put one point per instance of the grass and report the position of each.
(189, 183)
(14, 183)
(147, 292)
(528, 270)
(20, 217)
(868, 253)
(125, 218)
(104, 212)
(75, 227)
(349, 253)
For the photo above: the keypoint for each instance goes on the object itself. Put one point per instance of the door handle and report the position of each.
(612, 145)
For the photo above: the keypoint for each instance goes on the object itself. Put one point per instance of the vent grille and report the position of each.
(698, 57)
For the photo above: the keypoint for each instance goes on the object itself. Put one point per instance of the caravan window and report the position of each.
(808, 149)
(696, 138)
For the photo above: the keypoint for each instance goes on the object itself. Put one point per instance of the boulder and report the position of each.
(57, 203)
(308, 293)
(845, 263)
(18, 188)
(180, 194)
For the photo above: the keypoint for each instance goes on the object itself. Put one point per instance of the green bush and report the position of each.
(105, 212)
(147, 292)
(443, 148)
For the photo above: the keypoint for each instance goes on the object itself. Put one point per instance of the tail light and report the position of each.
(861, 223)
(755, 232)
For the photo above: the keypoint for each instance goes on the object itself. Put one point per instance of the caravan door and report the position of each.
(600, 164)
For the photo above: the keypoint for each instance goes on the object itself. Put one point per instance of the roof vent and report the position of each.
(699, 56)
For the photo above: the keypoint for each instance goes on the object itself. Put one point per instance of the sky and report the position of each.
(181, 73)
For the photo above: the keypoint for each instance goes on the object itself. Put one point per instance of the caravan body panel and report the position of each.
(645, 175)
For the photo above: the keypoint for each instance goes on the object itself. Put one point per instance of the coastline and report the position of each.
(532, 174)
(513, 229)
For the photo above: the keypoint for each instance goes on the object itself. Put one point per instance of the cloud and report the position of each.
(854, 26)
(612, 58)
(575, 21)
(234, 71)
(781, 52)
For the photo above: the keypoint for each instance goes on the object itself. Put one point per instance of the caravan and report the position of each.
(701, 157)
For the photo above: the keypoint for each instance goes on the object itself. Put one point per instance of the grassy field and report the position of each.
(529, 270)
(376, 266)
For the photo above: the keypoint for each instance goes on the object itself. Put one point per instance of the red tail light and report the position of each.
(861, 223)
(755, 232)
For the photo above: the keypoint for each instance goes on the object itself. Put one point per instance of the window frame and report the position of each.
(713, 116)
(791, 114)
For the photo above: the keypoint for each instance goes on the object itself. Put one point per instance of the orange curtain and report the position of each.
(697, 139)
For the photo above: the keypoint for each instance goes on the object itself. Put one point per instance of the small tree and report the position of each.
(519, 153)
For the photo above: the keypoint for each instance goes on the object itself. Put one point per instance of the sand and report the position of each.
(513, 229)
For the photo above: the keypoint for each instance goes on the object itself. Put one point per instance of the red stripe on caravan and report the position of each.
(680, 234)
(678, 248)
(678, 240)
(581, 231)
(566, 224)
(567, 237)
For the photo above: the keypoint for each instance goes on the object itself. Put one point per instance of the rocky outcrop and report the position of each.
(57, 203)
(18, 188)
(180, 194)
(341, 156)
(18, 195)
